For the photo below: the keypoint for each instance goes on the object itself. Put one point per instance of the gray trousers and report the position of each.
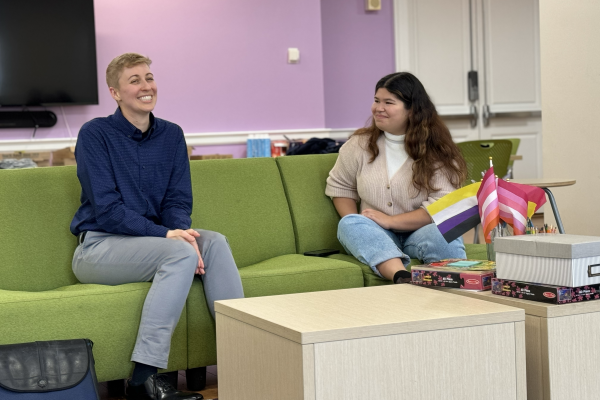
(108, 259)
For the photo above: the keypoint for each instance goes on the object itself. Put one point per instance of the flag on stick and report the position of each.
(487, 198)
(513, 206)
(457, 212)
(536, 197)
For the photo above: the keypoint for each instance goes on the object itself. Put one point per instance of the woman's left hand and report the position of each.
(383, 220)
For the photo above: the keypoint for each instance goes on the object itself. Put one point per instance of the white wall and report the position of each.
(570, 66)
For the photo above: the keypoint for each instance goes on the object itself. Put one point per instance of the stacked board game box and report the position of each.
(545, 293)
(455, 273)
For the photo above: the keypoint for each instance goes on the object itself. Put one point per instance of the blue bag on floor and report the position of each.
(53, 370)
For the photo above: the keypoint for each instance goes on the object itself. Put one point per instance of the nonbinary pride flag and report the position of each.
(487, 198)
(457, 212)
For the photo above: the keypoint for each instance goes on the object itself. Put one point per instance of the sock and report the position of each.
(141, 372)
(402, 274)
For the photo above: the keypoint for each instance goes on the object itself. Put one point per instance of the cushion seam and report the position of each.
(68, 297)
(298, 273)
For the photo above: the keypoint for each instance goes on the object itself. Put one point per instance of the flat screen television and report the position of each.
(47, 53)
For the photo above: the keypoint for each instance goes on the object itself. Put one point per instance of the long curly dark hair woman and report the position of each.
(396, 167)
(428, 141)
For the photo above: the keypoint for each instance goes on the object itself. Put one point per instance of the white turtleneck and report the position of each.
(395, 154)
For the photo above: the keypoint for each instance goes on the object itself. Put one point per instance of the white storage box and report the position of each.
(561, 260)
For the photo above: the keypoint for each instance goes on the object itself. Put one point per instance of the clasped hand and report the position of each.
(383, 220)
(189, 235)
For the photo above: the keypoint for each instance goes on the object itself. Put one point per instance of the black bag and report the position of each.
(54, 370)
(314, 146)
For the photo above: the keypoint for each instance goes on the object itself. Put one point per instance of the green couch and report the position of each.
(271, 210)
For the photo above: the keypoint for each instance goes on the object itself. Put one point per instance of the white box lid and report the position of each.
(549, 245)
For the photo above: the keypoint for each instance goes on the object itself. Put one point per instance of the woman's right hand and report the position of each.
(383, 220)
(189, 236)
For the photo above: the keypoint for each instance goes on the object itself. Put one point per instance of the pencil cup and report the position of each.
(500, 231)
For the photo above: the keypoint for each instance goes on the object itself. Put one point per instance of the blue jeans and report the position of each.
(371, 244)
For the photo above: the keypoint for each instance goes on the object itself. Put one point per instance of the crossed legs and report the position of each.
(170, 264)
(388, 252)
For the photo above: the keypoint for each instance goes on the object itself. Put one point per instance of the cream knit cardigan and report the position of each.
(354, 177)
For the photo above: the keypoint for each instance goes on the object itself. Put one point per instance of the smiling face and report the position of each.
(136, 94)
(389, 113)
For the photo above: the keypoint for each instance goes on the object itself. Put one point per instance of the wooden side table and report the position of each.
(562, 346)
(386, 342)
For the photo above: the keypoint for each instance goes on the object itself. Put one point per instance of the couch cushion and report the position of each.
(108, 315)
(476, 251)
(37, 206)
(295, 273)
(245, 201)
(313, 214)
(370, 279)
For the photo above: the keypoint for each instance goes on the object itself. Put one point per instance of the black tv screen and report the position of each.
(47, 53)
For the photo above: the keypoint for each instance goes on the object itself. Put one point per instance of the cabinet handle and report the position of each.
(487, 115)
(473, 86)
(474, 115)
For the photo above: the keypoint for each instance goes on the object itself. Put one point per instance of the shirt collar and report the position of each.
(394, 138)
(128, 129)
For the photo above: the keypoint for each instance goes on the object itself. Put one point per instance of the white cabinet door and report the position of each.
(439, 61)
(510, 64)
(511, 56)
(440, 41)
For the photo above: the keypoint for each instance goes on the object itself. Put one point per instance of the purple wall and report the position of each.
(219, 65)
(358, 50)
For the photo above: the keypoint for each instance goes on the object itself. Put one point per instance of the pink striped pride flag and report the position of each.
(487, 198)
(536, 197)
(513, 206)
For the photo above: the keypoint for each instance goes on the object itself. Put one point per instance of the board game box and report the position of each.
(455, 273)
(545, 293)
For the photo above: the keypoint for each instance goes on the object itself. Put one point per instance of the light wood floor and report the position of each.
(210, 392)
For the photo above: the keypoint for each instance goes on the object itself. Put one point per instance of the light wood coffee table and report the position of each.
(562, 346)
(386, 342)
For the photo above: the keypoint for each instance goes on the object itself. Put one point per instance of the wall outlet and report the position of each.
(373, 5)
(293, 55)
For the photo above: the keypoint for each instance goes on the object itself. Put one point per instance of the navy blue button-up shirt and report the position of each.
(132, 184)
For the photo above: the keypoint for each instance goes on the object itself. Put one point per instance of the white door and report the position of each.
(440, 41)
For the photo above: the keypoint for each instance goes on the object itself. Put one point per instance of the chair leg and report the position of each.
(116, 388)
(196, 379)
(476, 237)
(561, 229)
(172, 377)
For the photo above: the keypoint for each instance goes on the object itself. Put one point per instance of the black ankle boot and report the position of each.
(157, 387)
(402, 276)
